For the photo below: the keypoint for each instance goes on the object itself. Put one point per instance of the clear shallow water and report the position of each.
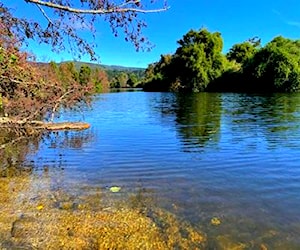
(231, 156)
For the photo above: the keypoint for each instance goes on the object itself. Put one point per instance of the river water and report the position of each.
(235, 157)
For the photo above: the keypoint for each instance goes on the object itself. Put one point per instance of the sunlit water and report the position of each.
(231, 156)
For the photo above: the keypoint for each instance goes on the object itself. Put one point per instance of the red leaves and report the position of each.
(34, 91)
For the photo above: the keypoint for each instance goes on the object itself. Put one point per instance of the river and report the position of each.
(234, 157)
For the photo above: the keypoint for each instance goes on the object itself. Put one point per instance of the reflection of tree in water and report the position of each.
(69, 139)
(282, 120)
(13, 155)
(275, 117)
(198, 118)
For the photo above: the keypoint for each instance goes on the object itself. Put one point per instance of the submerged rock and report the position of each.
(67, 205)
(21, 227)
(224, 242)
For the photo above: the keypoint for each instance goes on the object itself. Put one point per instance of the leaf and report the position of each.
(114, 189)
(40, 207)
(13, 58)
(215, 221)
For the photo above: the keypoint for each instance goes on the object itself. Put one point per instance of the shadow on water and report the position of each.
(13, 155)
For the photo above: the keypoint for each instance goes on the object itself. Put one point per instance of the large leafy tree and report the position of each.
(160, 75)
(62, 18)
(199, 59)
(232, 79)
(275, 67)
(242, 52)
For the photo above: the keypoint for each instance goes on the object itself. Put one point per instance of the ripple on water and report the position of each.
(228, 155)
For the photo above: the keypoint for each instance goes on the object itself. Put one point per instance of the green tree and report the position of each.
(241, 52)
(67, 73)
(84, 74)
(160, 75)
(199, 59)
(275, 68)
(122, 79)
(132, 80)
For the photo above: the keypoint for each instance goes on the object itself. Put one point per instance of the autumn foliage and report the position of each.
(33, 91)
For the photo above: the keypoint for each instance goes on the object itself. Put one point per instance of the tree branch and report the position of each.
(44, 13)
(58, 102)
(101, 11)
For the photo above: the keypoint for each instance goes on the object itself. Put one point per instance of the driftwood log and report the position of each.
(66, 126)
(40, 125)
(31, 127)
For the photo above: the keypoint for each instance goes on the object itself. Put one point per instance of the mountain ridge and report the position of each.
(98, 65)
(106, 66)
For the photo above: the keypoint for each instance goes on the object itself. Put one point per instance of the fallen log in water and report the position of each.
(25, 129)
(65, 126)
(8, 122)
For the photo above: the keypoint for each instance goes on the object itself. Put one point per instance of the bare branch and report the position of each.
(58, 102)
(101, 11)
(44, 13)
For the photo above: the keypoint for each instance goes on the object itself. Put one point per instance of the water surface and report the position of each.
(231, 156)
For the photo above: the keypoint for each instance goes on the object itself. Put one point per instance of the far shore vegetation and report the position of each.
(200, 65)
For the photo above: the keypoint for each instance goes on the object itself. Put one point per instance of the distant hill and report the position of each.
(112, 71)
(107, 67)
(101, 66)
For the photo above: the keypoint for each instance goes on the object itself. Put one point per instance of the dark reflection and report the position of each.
(15, 145)
(274, 118)
(69, 139)
(197, 117)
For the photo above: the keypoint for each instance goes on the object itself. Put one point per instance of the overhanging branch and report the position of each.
(101, 11)
(58, 102)
(44, 14)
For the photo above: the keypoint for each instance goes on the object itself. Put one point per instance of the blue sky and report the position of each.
(235, 20)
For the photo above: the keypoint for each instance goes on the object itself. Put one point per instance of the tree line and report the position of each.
(200, 65)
